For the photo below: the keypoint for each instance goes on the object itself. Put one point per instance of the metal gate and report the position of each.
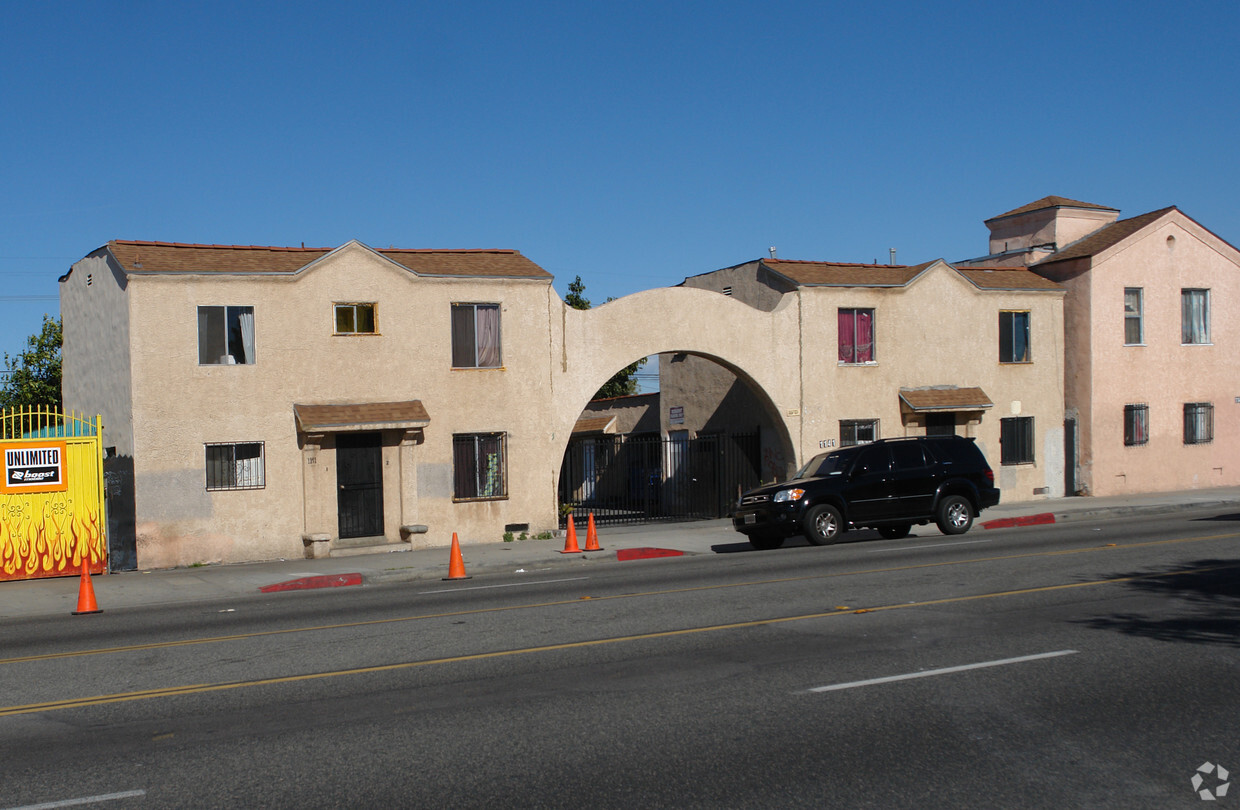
(51, 497)
(645, 479)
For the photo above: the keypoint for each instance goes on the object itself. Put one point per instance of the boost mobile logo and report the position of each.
(1220, 774)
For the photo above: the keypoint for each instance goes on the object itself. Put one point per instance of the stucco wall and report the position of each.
(1172, 254)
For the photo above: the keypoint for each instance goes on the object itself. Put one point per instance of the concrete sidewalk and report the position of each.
(535, 558)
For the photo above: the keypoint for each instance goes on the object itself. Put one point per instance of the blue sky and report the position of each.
(631, 143)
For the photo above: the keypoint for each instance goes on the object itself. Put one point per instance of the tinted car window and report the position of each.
(874, 459)
(825, 464)
(908, 456)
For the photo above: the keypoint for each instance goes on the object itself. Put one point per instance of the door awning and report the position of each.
(361, 416)
(943, 398)
(594, 424)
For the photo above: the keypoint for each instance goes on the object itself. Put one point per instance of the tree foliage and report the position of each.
(33, 377)
(624, 382)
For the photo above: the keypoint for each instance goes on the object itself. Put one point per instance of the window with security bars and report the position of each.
(479, 470)
(1134, 313)
(858, 431)
(1136, 425)
(1013, 337)
(235, 466)
(1198, 422)
(1016, 440)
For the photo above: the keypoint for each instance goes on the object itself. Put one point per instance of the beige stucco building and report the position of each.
(883, 351)
(1151, 335)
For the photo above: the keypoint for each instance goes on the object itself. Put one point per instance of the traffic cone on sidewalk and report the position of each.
(86, 593)
(592, 536)
(456, 565)
(570, 544)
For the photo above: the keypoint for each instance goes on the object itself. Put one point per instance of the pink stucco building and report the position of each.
(1152, 385)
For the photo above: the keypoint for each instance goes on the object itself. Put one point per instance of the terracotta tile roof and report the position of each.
(946, 398)
(1006, 278)
(1051, 202)
(175, 257)
(1104, 238)
(837, 274)
(361, 416)
(595, 424)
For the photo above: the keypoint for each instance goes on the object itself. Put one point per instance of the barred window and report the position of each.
(478, 466)
(858, 431)
(1136, 425)
(1016, 440)
(236, 466)
(1198, 422)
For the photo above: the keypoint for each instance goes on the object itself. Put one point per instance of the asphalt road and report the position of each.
(1073, 665)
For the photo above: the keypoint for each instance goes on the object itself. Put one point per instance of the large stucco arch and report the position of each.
(589, 346)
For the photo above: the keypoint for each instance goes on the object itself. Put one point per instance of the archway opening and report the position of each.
(695, 436)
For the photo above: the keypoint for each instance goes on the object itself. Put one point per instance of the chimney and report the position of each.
(892, 260)
(771, 250)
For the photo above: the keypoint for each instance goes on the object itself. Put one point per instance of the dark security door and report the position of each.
(359, 474)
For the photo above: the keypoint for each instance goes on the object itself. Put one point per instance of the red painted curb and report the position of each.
(646, 553)
(305, 583)
(1027, 520)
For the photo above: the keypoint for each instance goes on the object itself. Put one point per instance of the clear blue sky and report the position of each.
(632, 143)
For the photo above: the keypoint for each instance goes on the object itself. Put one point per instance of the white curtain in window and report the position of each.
(488, 336)
(1195, 316)
(247, 333)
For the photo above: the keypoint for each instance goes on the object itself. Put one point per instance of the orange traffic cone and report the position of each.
(86, 593)
(592, 536)
(456, 566)
(570, 544)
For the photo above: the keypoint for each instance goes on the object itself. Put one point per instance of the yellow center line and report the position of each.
(576, 601)
(194, 689)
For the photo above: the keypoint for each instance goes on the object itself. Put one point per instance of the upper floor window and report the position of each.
(856, 331)
(355, 319)
(1194, 316)
(1198, 422)
(858, 431)
(225, 335)
(478, 466)
(1136, 425)
(1016, 440)
(1134, 310)
(1013, 337)
(235, 466)
(475, 336)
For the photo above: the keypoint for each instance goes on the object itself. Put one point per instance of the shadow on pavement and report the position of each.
(1206, 607)
(1232, 517)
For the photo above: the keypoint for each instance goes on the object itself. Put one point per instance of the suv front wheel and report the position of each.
(955, 515)
(823, 525)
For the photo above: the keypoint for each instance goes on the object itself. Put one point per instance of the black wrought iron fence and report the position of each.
(646, 479)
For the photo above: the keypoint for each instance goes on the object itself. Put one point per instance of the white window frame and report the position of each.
(225, 340)
(1134, 313)
(850, 430)
(1192, 332)
(352, 309)
(462, 356)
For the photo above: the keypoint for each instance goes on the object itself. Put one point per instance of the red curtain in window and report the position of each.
(847, 330)
(865, 336)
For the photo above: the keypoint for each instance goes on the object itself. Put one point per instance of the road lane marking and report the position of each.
(174, 691)
(504, 585)
(928, 545)
(945, 671)
(576, 601)
(105, 797)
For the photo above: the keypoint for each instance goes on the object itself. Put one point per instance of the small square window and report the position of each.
(475, 336)
(355, 319)
(1016, 440)
(225, 336)
(236, 466)
(858, 431)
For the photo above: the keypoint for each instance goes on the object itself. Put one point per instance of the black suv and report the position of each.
(889, 485)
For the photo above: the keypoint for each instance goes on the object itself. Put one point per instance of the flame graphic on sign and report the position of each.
(33, 546)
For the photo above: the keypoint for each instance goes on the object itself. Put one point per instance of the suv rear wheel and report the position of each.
(823, 525)
(955, 515)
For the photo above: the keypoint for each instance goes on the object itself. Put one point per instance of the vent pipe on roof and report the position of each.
(771, 249)
(892, 260)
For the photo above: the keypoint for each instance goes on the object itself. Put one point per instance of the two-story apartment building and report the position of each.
(1150, 336)
(887, 350)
